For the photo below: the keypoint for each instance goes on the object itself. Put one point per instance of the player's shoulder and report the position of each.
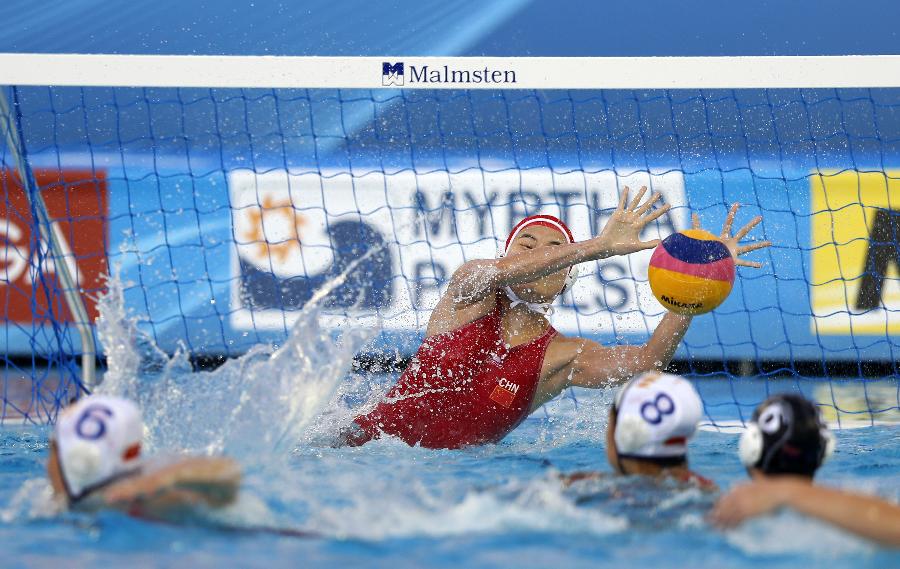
(581, 476)
(568, 353)
(562, 352)
(698, 481)
(448, 316)
(473, 267)
(570, 346)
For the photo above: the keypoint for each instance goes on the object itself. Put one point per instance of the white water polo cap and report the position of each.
(656, 415)
(97, 439)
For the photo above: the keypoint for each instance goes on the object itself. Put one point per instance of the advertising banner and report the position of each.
(77, 203)
(294, 232)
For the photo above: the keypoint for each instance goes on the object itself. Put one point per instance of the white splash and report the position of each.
(766, 536)
(540, 506)
(33, 500)
(256, 405)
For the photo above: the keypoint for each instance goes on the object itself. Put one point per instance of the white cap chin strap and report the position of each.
(542, 308)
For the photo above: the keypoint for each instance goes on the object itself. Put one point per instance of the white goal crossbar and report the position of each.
(450, 72)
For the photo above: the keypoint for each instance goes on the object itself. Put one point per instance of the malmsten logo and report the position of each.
(394, 74)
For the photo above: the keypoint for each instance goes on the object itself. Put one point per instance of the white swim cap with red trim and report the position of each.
(97, 439)
(656, 414)
(553, 223)
(544, 220)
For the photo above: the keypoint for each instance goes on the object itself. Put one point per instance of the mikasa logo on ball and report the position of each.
(675, 303)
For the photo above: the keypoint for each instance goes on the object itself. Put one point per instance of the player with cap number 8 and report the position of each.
(650, 423)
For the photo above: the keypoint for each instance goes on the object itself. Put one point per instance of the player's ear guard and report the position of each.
(786, 435)
(570, 279)
(631, 434)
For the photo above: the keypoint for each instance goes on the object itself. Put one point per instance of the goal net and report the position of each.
(227, 191)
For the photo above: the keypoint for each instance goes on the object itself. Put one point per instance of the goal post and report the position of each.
(227, 190)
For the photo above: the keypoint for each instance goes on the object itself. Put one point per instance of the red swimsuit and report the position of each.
(463, 387)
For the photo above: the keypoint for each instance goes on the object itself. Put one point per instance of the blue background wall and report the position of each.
(757, 147)
(452, 27)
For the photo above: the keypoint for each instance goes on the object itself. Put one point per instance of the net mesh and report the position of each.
(225, 210)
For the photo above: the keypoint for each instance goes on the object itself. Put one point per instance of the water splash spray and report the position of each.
(259, 404)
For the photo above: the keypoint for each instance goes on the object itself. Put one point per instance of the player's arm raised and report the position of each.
(598, 366)
(476, 280)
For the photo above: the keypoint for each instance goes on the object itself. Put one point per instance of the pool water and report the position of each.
(385, 504)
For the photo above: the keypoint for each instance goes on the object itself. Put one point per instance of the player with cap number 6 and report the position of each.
(784, 445)
(96, 462)
(490, 356)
